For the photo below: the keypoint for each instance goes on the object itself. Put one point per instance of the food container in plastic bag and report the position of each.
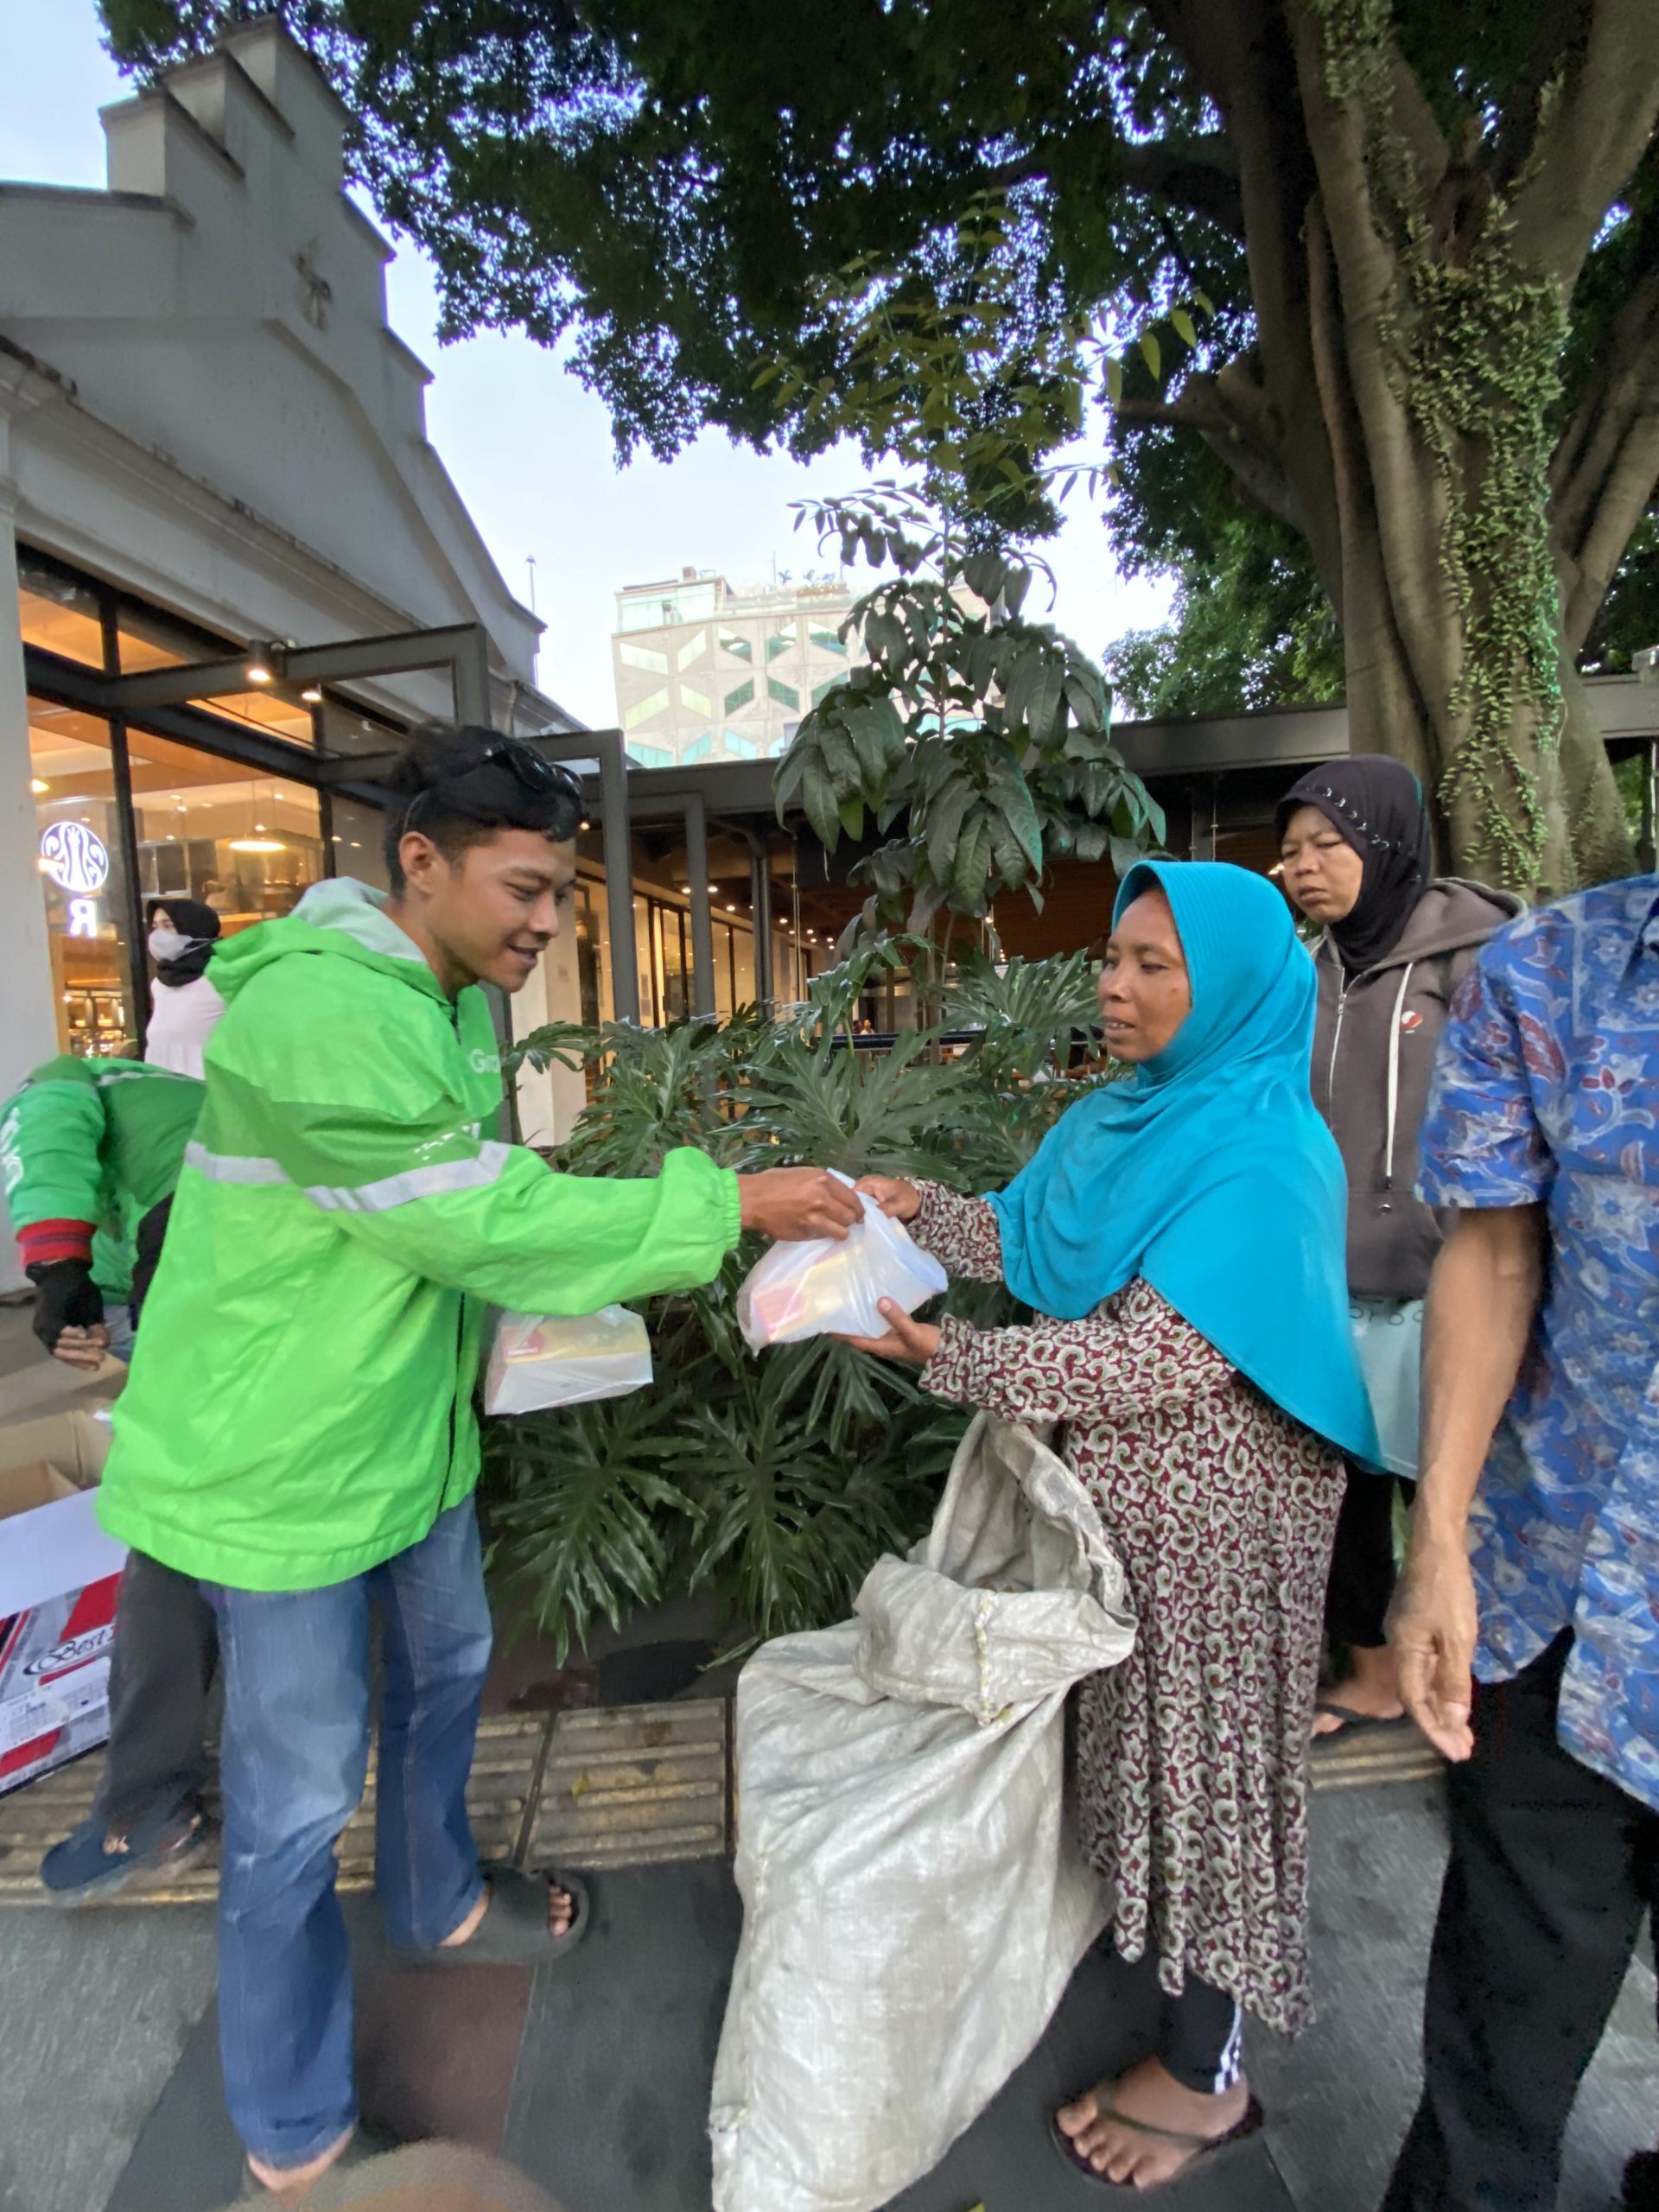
(825, 1288)
(540, 1360)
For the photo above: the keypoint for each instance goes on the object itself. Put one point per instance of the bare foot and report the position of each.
(561, 1911)
(1147, 2092)
(290, 2184)
(1373, 1689)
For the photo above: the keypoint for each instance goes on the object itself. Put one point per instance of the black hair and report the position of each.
(460, 786)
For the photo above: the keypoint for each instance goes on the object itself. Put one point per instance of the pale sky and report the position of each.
(529, 448)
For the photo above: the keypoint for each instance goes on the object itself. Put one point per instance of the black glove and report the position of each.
(66, 1297)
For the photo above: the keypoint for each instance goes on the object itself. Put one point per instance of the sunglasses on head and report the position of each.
(532, 770)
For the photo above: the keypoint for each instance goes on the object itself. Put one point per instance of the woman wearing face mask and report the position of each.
(184, 1007)
(1179, 1236)
(1354, 842)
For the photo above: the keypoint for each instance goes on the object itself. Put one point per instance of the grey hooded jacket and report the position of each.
(1374, 1044)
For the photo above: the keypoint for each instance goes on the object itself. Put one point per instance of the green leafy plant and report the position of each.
(987, 731)
(774, 1481)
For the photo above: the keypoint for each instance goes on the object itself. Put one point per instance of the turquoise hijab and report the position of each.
(1207, 1171)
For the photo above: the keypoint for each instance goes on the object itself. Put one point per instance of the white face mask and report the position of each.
(168, 944)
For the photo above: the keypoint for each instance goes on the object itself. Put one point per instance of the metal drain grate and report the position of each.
(620, 1786)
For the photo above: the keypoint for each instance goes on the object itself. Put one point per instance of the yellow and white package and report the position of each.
(542, 1360)
(824, 1288)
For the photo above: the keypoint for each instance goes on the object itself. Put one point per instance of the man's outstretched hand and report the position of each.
(795, 1204)
(1432, 1628)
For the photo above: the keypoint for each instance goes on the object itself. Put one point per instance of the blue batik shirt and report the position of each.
(1545, 1091)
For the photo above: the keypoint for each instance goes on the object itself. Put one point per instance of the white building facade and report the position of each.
(705, 672)
(211, 445)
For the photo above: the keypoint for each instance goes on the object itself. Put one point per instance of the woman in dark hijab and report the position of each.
(1354, 846)
(184, 1006)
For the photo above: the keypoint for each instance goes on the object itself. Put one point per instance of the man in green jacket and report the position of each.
(298, 1431)
(89, 1149)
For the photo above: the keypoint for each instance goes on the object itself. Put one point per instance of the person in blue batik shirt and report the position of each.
(1533, 1563)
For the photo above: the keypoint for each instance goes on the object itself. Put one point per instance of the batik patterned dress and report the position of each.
(1193, 1754)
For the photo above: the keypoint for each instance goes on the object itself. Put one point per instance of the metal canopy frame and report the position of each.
(462, 648)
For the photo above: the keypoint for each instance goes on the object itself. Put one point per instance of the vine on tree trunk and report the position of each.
(1474, 346)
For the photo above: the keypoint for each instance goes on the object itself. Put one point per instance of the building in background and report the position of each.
(706, 672)
(212, 448)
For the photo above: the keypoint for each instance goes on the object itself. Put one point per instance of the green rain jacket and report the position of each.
(96, 1143)
(299, 1406)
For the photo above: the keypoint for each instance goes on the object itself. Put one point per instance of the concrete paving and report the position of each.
(110, 2099)
(106, 2037)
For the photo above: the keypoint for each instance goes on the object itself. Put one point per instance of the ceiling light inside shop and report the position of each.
(312, 695)
(257, 845)
(37, 786)
(256, 672)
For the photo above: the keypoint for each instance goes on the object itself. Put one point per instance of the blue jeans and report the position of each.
(294, 1756)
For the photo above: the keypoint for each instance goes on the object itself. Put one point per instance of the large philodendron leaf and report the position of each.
(893, 1113)
(580, 1532)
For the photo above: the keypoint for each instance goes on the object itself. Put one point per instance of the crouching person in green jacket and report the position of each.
(298, 1431)
(91, 1152)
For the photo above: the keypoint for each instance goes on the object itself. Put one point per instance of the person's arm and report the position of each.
(962, 1234)
(1094, 1370)
(1484, 1152)
(369, 1135)
(50, 1136)
(1483, 1298)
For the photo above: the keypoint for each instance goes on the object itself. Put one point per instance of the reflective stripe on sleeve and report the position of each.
(231, 1167)
(430, 1182)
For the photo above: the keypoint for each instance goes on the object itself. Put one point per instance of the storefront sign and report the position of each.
(74, 858)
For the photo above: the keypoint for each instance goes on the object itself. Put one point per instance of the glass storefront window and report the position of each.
(82, 879)
(674, 963)
(247, 846)
(594, 952)
(743, 989)
(349, 728)
(58, 614)
(359, 842)
(266, 710)
(651, 996)
(145, 640)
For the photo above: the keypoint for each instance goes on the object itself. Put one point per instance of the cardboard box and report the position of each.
(58, 1577)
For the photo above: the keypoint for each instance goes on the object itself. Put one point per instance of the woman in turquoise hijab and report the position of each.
(1180, 1237)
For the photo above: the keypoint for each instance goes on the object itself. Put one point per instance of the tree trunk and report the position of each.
(1411, 324)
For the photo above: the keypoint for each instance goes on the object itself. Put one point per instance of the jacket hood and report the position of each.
(341, 918)
(1451, 915)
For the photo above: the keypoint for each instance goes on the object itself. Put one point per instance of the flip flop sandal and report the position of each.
(1208, 2150)
(1354, 1724)
(513, 1931)
(367, 2142)
(167, 1839)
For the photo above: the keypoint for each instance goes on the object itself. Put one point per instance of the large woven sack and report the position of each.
(915, 1900)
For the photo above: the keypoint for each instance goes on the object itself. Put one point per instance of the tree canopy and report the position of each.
(1396, 263)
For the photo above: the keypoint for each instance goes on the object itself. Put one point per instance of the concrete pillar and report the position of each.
(29, 1029)
(550, 1098)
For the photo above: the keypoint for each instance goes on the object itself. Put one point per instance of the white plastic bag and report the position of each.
(539, 1360)
(915, 1900)
(826, 1288)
